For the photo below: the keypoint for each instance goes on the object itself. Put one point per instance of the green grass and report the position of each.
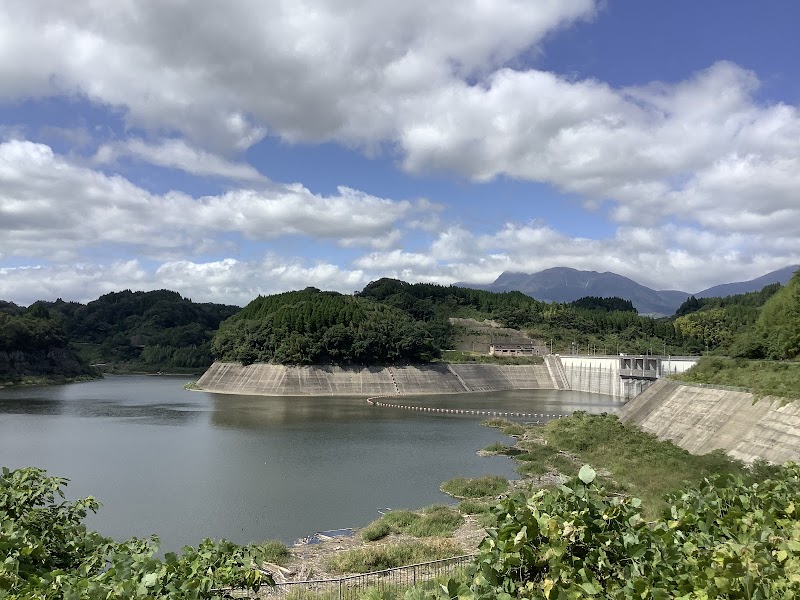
(276, 552)
(376, 530)
(638, 462)
(761, 377)
(500, 448)
(515, 429)
(498, 422)
(469, 506)
(496, 448)
(477, 487)
(434, 521)
(376, 558)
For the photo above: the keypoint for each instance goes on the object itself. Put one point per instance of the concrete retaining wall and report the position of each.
(326, 380)
(596, 375)
(702, 419)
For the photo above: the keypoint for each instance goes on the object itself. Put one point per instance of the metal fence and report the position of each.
(353, 587)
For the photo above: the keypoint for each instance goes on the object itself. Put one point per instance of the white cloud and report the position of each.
(222, 73)
(663, 257)
(177, 154)
(700, 175)
(395, 260)
(226, 281)
(442, 82)
(52, 207)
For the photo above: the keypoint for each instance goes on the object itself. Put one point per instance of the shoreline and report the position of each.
(30, 381)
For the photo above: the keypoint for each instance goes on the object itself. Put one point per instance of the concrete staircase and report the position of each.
(556, 371)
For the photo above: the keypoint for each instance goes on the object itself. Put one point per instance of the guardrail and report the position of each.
(352, 587)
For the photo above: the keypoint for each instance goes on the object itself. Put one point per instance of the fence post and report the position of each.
(340, 589)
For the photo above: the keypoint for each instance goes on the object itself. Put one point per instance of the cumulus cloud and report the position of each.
(228, 281)
(52, 207)
(177, 154)
(668, 257)
(700, 176)
(442, 82)
(224, 74)
(663, 257)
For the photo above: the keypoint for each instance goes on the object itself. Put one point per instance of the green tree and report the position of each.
(48, 553)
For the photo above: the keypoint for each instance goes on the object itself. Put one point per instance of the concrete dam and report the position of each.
(703, 418)
(327, 380)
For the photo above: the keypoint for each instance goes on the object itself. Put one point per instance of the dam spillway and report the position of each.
(328, 380)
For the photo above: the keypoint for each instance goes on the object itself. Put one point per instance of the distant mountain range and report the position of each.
(562, 284)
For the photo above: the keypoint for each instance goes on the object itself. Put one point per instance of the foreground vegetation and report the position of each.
(48, 553)
(657, 523)
(723, 538)
(762, 378)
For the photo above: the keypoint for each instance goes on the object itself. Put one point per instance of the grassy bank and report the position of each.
(377, 558)
(629, 460)
(433, 521)
(761, 377)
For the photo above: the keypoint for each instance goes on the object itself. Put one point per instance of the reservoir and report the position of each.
(189, 465)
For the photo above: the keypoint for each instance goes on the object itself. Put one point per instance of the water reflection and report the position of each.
(256, 412)
(30, 406)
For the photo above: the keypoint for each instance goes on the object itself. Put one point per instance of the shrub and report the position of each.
(478, 487)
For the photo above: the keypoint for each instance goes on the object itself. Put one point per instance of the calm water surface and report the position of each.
(188, 465)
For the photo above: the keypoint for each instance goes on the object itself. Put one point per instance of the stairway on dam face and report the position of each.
(556, 372)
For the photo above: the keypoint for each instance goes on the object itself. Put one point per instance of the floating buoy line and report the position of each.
(376, 401)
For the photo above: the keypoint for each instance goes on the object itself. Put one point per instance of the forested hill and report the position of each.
(35, 347)
(726, 324)
(149, 331)
(314, 327)
(776, 333)
(393, 321)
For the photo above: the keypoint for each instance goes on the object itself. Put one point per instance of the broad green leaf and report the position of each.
(587, 474)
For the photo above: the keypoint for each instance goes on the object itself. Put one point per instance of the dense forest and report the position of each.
(776, 332)
(152, 331)
(133, 331)
(35, 347)
(311, 326)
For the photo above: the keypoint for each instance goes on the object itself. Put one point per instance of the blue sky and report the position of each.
(230, 151)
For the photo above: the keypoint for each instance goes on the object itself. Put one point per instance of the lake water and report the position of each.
(188, 465)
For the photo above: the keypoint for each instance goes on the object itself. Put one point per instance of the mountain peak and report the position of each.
(565, 284)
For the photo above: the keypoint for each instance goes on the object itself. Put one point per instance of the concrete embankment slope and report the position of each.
(702, 419)
(326, 380)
